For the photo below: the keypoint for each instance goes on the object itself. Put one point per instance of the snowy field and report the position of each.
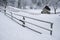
(9, 30)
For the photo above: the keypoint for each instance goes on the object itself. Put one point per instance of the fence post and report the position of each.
(5, 11)
(51, 28)
(11, 15)
(51, 32)
(51, 25)
(23, 21)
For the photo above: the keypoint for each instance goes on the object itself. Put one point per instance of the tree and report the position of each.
(5, 4)
(55, 6)
(45, 2)
(39, 3)
(19, 3)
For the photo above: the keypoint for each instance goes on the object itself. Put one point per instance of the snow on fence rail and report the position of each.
(23, 21)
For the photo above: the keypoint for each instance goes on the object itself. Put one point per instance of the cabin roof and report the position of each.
(47, 7)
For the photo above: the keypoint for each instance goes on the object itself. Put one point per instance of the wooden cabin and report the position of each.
(46, 10)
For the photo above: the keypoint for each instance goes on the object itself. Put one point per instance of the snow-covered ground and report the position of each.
(9, 30)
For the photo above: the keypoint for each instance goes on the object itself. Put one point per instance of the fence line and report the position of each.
(23, 21)
(30, 23)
